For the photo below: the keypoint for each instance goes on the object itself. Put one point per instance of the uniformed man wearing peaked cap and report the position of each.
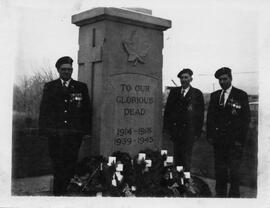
(65, 118)
(183, 118)
(228, 119)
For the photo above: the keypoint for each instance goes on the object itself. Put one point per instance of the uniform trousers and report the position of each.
(227, 165)
(183, 145)
(63, 150)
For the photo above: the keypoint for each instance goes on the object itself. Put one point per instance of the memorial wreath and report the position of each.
(149, 174)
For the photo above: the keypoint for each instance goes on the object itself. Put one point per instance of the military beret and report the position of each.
(188, 71)
(223, 70)
(63, 60)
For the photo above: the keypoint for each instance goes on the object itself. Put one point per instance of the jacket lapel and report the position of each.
(71, 85)
(230, 96)
(217, 97)
(189, 93)
(178, 93)
(59, 85)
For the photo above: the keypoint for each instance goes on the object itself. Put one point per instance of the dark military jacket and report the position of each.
(232, 120)
(65, 109)
(184, 113)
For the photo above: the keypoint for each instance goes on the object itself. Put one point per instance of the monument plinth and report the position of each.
(120, 59)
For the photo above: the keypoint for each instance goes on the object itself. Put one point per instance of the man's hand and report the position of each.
(86, 137)
(237, 150)
(166, 133)
(238, 146)
(210, 140)
(196, 138)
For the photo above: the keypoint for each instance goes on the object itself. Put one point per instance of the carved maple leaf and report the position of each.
(133, 55)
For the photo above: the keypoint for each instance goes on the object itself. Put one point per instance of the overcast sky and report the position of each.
(203, 37)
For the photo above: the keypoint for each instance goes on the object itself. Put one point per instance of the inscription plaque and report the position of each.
(134, 111)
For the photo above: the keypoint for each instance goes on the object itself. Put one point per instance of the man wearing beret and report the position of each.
(183, 118)
(227, 125)
(65, 118)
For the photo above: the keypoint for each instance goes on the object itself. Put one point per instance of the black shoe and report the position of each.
(220, 195)
(234, 194)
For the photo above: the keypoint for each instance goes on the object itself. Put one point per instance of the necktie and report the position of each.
(222, 98)
(65, 84)
(183, 92)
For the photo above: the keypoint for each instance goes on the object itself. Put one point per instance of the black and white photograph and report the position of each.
(134, 103)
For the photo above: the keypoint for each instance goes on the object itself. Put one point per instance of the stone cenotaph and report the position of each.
(120, 59)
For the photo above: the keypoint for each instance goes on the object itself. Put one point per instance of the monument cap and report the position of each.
(188, 71)
(223, 70)
(63, 60)
(139, 9)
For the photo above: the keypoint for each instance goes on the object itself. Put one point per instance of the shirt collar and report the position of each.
(228, 91)
(187, 89)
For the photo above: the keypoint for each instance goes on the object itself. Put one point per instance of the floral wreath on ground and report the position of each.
(149, 174)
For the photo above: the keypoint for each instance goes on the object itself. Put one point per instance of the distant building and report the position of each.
(253, 98)
(254, 106)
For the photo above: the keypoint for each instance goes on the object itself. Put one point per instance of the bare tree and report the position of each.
(27, 95)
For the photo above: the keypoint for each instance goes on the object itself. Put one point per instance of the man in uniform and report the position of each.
(183, 118)
(227, 125)
(65, 118)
